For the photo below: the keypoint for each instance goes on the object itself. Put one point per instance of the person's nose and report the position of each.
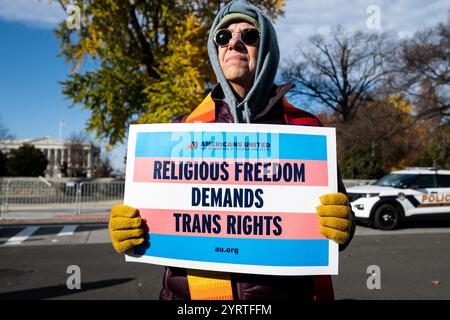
(235, 42)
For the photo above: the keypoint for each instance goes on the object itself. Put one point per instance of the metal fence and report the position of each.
(23, 194)
(77, 196)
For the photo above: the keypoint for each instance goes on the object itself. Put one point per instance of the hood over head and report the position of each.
(267, 64)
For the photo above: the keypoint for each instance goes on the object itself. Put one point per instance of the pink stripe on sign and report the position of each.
(232, 224)
(235, 171)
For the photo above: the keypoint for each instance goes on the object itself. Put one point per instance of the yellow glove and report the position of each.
(335, 217)
(125, 227)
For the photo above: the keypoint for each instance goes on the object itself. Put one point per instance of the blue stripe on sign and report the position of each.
(302, 146)
(266, 252)
(210, 145)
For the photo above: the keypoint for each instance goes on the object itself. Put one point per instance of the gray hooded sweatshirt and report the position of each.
(266, 68)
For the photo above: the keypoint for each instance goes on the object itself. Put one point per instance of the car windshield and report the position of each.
(396, 180)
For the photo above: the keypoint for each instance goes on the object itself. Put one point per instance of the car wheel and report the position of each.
(386, 217)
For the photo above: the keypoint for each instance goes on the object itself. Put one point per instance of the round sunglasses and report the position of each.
(248, 36)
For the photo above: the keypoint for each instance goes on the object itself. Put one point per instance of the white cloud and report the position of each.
(403, 17)
(37, 13)
(302, 18)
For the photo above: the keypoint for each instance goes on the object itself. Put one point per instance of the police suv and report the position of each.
(409, 193)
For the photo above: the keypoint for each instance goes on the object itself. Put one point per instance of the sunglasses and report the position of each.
(248, 36)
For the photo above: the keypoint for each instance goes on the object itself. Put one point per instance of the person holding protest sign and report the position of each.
(244, 54)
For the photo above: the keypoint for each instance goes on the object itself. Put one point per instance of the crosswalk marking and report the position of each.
(22, 236)
(67, 230)
(53, 234)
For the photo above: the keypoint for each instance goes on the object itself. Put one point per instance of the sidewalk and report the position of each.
(55, 216)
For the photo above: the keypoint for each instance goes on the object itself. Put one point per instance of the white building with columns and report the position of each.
(74, 157)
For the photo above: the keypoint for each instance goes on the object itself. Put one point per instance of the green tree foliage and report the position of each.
(26, 161)
(361, 164)
(433, 149)
(181, 82)
(150, 57)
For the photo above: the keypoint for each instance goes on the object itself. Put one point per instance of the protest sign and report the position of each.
(235, 197)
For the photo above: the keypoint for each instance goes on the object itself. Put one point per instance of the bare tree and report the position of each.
(425, 79)
(342, 70)
(104, 168)
(382, 137)
(78, 164)
(425, 75)
(5, 133)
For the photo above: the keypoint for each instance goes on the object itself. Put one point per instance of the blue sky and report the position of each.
(31, 103)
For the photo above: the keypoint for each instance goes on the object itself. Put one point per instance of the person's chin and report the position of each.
(238, 73)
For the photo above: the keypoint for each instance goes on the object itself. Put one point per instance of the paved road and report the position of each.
(414, 264)
(35, 258)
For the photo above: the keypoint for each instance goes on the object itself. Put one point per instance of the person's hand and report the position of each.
(335, 217)
(125, 227)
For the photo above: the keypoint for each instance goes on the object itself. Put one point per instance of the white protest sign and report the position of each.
(232, 197)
